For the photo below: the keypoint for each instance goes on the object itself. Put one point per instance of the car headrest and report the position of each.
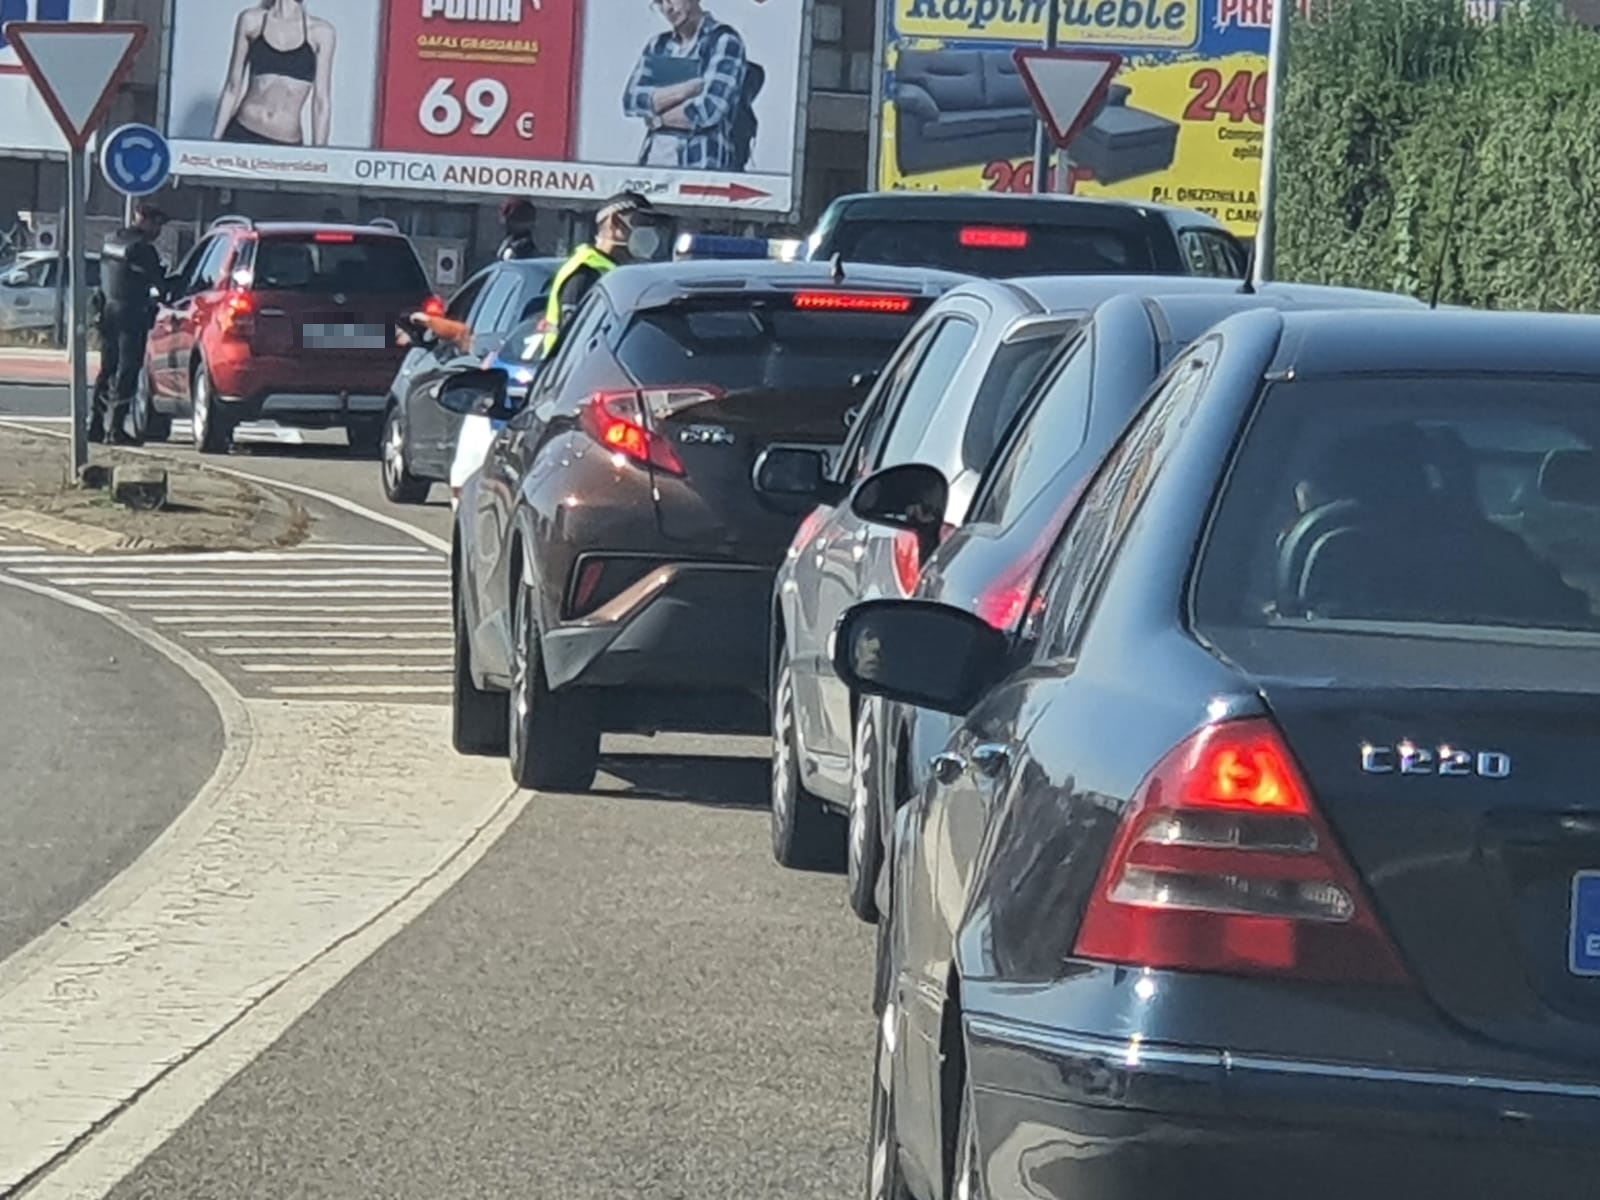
(1571, 477)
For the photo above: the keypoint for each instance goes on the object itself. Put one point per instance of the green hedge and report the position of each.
(1383, 99)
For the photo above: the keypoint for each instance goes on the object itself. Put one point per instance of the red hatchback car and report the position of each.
(293, 323)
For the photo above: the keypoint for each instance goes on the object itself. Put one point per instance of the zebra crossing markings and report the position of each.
(322, 621)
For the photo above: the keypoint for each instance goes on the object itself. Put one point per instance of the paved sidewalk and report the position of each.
(25, 365)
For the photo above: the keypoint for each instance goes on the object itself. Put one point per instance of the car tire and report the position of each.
(884, 1178)
(365, 435)
(157, 424)
(806, 835)
(864, 840)
(478, 719)
(554, 736)
(210, 427)
(399, 484)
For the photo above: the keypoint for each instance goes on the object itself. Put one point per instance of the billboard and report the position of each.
(1182, 123)
(28, 127)
(556, 99)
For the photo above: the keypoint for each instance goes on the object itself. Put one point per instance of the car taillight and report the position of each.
(851, 302)
(1223, 864)
(433, 307)
(333, 237)
(982, 237)
(618, 421)
(908, 558)
(238, 315)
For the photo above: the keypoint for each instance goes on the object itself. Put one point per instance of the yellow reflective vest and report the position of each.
(583, 256)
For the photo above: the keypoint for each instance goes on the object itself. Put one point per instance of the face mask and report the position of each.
(646, 242)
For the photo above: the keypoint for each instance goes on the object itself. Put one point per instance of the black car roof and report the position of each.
(1056, 292)
(1332, 343)
(1003, 206)
(647, 285)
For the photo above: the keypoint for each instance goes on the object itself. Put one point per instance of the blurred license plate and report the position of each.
(345, 337)
(1583, 950)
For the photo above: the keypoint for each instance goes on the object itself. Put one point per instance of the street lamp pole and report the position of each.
(1266, 255)
(1041, 137)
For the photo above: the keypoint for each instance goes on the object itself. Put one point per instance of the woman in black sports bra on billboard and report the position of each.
(282, 58)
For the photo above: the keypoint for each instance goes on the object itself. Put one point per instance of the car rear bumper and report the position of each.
(1062, 1116)
(694, 626)
(292, 392)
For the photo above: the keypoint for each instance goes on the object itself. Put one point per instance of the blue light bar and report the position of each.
(716, 245)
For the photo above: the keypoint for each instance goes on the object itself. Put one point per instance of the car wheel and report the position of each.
(212, 432)
(157, 424)
(366, 437)
(477, 717)
(555, 738)
(864, 843)
(399, 484)
(884, 1179)
(806, 836)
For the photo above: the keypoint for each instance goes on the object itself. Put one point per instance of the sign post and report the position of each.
(77, 67)
(1266, 256)
(1069, 88)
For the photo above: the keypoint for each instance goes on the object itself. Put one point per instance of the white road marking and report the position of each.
(333, 613)
(413, 635)
(30, 556)
(322, 668)
(360, 689)
(93, 572)
(410, 592)
(330, 652)
(292, 585)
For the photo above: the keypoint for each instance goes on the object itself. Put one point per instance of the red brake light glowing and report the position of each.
(333, 237)
(984, 237)
(433, 307)
(620, 421)
(238, 314)
(1223, 864)
(851, 302)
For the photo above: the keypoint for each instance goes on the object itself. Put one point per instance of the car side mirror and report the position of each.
(478, 394)
(910, 496)
(918, 652)
(794, 472)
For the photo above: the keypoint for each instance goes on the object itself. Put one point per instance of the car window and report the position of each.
(460, 306)
(586, 322)
(1207, 252)
(208, 273)
(997, 252)
(909, 421)
(1073, 575)
(191, 263)
(867, 433)
(1014, 369)
(739, 346)
(1051, 431)
(496, 313)
(1412, 501)
(524, 345)
(330, 264)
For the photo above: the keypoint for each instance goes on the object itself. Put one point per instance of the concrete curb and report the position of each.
(70, 535)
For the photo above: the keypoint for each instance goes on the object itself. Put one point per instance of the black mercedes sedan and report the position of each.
(1265, 859)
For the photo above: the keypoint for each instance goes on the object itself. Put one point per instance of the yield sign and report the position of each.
(1068, 87)
(77, 67)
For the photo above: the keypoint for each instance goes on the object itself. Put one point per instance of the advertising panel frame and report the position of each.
(768, 190)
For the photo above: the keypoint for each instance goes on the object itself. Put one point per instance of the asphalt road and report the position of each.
(625, 997)
(102, 742)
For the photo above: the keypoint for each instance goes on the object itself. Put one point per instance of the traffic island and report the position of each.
(135, 501)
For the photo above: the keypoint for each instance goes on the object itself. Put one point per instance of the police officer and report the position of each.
(130, 270)
(627, 229)
(519, 216)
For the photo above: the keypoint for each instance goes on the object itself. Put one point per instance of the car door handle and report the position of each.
(947, 768)
(991, 759)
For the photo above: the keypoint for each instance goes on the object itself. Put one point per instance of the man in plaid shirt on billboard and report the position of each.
(688, 88)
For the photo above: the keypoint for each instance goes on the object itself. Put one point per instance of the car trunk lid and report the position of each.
(1468, 803)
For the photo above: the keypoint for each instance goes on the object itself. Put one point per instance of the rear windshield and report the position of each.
(524, 345)
(1469, 503)
(373, 266)
(744, 346)
(996, 251)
